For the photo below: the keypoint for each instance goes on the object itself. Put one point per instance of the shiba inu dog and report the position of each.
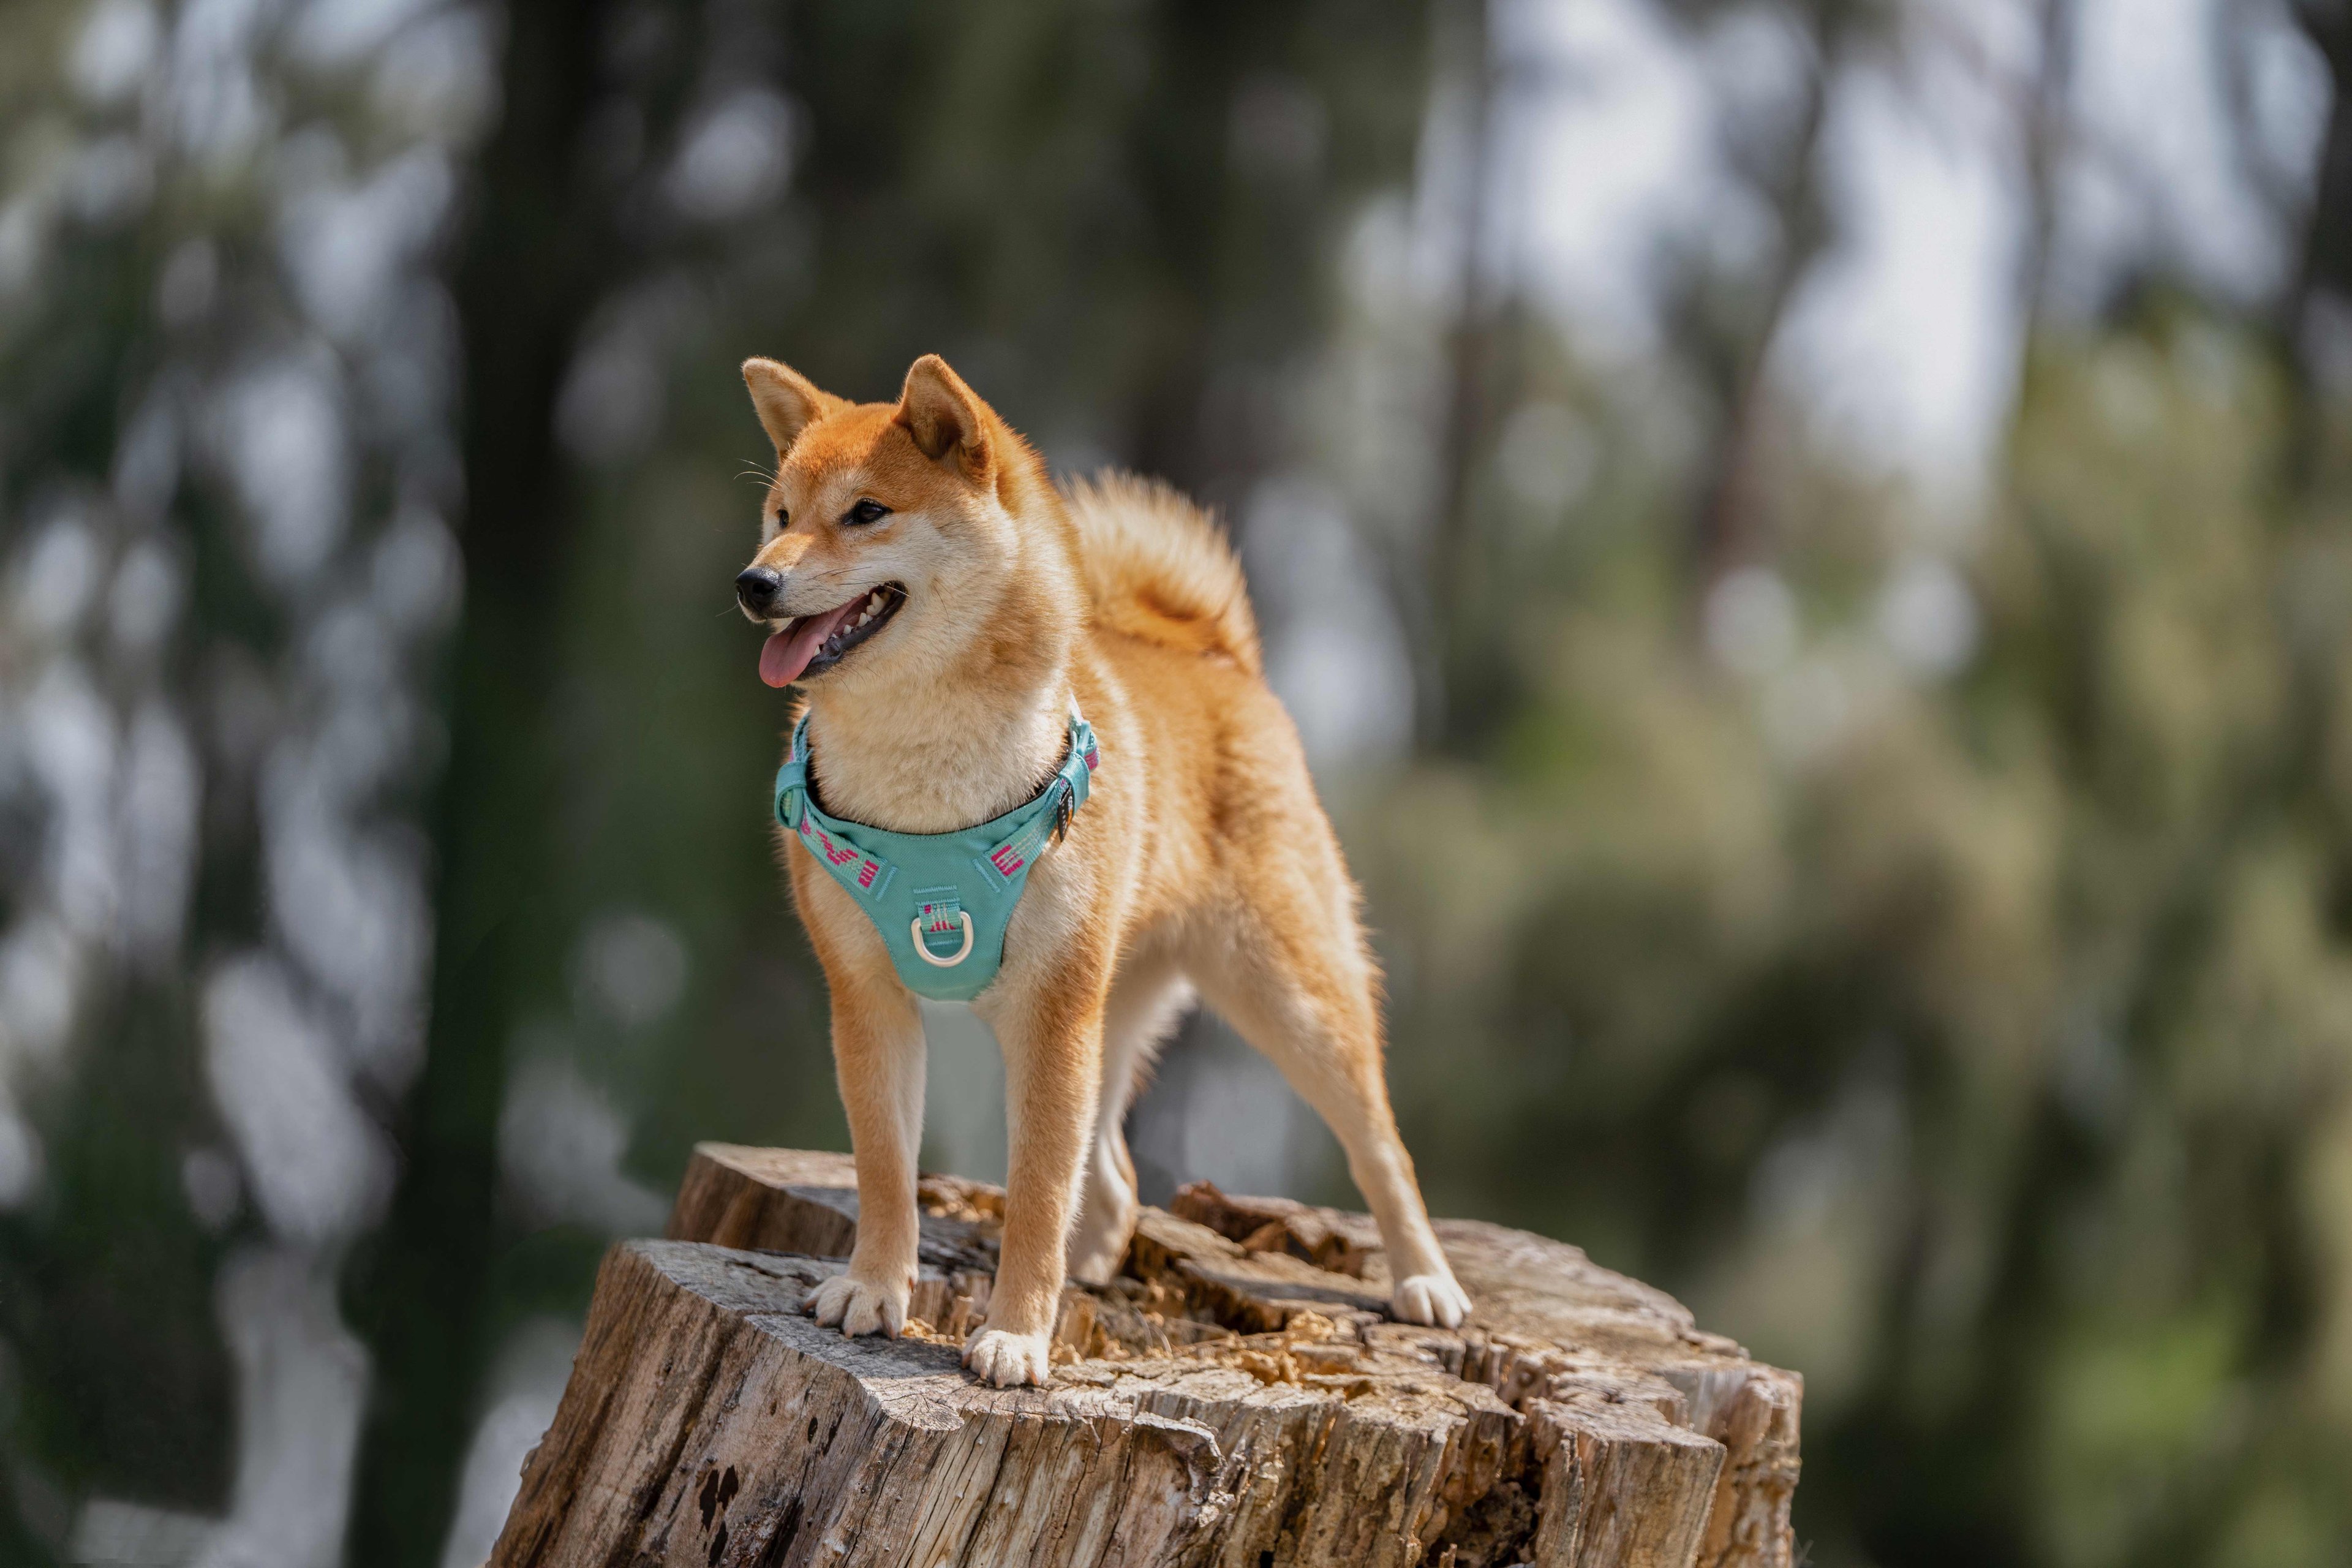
(946, 610)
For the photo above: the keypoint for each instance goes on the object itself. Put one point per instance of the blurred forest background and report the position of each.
(1811, 541)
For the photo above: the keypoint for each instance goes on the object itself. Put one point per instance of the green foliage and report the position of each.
(112, 1376)
(1979, 1048)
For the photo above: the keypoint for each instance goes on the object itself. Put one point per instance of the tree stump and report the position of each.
(1237, 1397)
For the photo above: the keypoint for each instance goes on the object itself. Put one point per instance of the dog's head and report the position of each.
(887, 534)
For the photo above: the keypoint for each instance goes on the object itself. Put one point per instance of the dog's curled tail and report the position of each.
(1158, 568)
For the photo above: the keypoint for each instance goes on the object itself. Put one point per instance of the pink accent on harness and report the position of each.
(838, 856)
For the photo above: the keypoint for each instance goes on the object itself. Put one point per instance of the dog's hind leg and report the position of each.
(1146, 1001)
(1289, 970)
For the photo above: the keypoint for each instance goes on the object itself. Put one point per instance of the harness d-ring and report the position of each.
(916, 926)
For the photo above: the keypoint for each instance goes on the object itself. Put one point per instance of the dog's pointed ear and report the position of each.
(946, 417)
(787, 401)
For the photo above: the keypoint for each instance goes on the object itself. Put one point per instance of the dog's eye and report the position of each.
(864, 511)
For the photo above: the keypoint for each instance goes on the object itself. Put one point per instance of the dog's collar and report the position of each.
(940, 900)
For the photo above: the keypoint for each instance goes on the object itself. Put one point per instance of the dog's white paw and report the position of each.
(1431, 1299)
(859, 1307)
(1007, 1359)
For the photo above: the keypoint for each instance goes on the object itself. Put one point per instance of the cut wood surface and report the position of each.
(1237, 1397)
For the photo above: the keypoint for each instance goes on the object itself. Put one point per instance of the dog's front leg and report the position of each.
(1053, 1067)
(877, 1053)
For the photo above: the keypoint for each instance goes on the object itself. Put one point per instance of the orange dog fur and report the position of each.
(1203, 865)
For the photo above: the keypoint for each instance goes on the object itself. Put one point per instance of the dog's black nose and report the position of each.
(756, 590)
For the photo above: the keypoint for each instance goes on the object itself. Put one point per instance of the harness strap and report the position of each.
(1071, 784)
(1068, 790)
(792, 783)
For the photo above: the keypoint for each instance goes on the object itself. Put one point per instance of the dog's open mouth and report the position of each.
(810, 645)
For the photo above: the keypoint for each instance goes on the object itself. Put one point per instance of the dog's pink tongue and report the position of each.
(784, 655)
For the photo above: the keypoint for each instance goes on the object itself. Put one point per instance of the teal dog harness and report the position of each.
(942, 901)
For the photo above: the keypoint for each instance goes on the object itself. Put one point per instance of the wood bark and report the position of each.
(1237, 1397)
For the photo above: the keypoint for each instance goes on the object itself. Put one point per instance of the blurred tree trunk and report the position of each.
(1459, 677)
(531, 270)
(2324, 267)
(2043, 129)
(1724, 532)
